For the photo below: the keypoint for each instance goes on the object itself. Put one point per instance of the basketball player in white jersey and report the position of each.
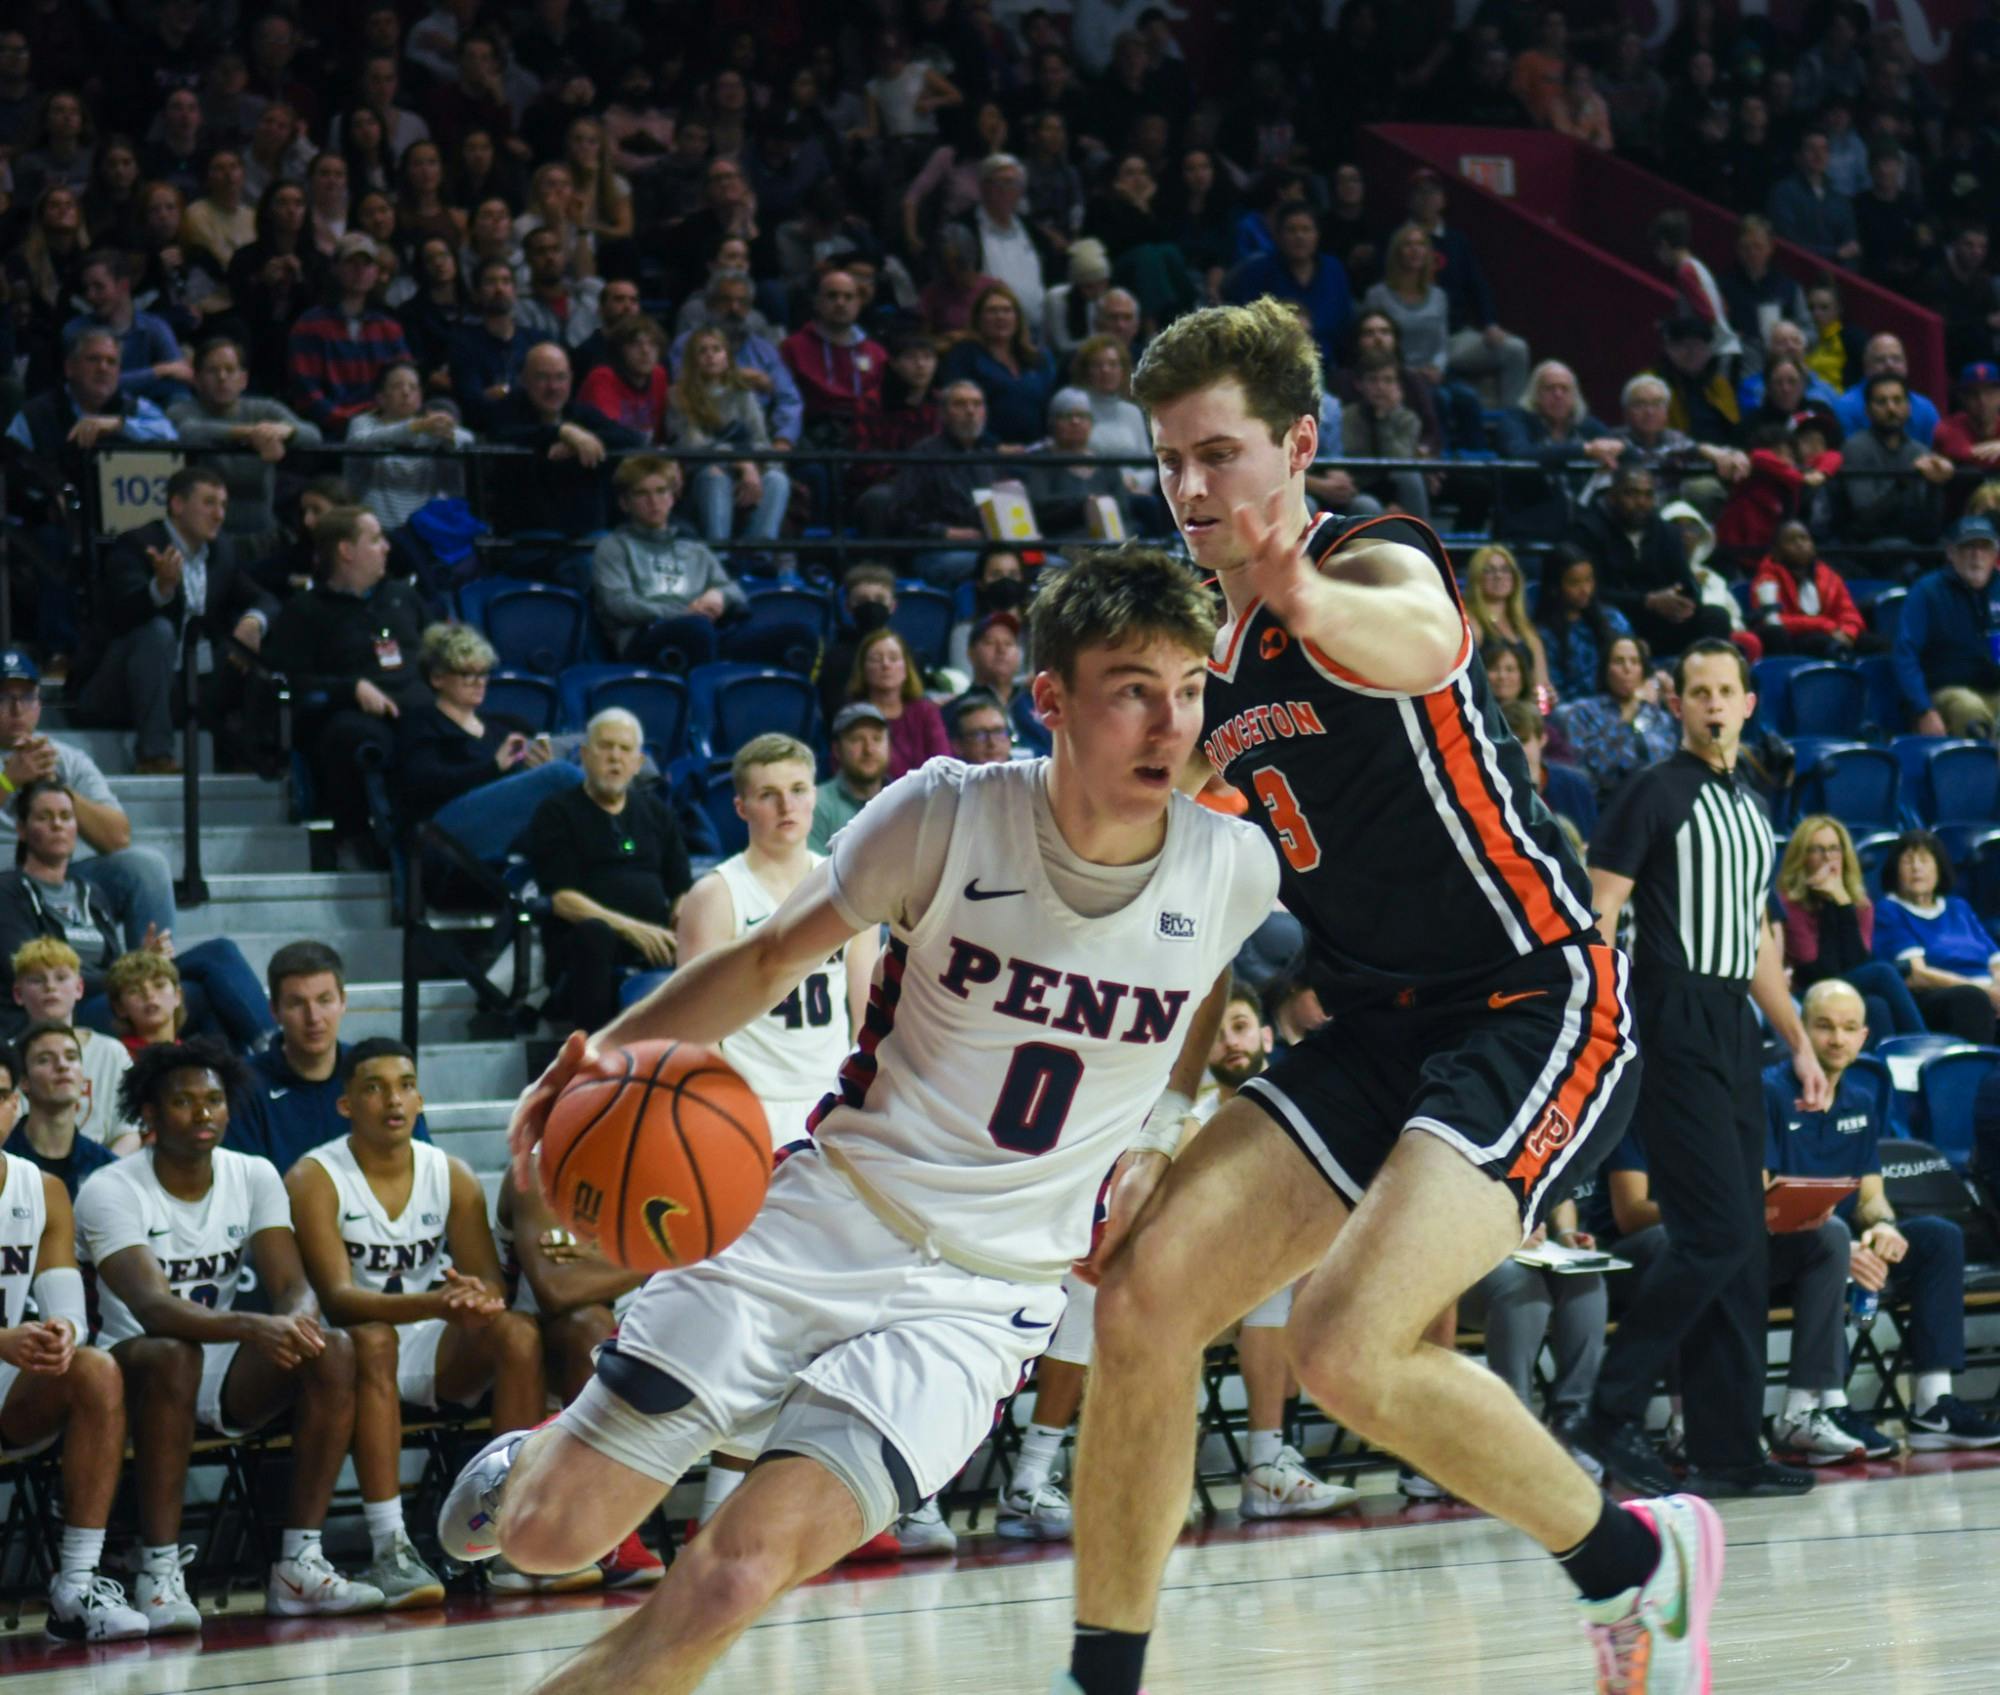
(395, 1240)
(1057, 927)
(51, 1386)
(168, 1230)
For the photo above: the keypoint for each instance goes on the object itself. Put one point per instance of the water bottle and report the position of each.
(1863, 1305)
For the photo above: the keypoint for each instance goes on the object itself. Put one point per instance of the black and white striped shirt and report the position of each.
(1697, 845)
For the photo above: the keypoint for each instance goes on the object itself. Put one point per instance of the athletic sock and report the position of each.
(385, 1523)
(1619, 1554)
(292, 1544)
(1108, 1662)
(1262, 1448)
(1833, 1399)
(1799, 1402)
(79, 1552)
(1039, 1448)
(1932, 1387)
(719, 1485)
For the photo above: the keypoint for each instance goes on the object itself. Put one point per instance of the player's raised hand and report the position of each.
(1133, 1184)
(531, 1111)
(1275, 568)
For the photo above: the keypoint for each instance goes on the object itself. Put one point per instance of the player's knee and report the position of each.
(331, 1370)
(516, 1340)
(375, 1353)
(1339, 1368)
(732, 1586)
(164, 1369)
(95, 1380)
(1141, 1301)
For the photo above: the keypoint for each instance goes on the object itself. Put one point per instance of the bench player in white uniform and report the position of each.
(168, 1230)
(396, 1243)
(51, 1386)
(1057, 926)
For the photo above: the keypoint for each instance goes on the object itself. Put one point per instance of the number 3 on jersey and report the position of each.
(1294, 834)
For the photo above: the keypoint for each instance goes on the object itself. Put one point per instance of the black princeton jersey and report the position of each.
(1415, 850)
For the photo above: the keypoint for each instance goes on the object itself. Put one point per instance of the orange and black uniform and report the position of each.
(1450, 926)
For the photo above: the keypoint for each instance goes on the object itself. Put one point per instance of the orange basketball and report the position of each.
(662, 1165)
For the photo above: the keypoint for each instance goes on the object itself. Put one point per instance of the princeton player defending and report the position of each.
(168, 1229)
(1055, 924)
(396, 1243)
(1478, 1061)
(50, 1387)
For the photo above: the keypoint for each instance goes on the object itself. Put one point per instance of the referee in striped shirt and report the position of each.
(1689, 846)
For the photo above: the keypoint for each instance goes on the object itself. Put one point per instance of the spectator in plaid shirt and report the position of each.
(339, 352)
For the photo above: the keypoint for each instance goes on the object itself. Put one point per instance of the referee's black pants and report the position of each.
(1706, 1296)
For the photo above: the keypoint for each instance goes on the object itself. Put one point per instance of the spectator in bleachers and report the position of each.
(904, 414)
(1671, 237)
(1757, 293)
(1480, 347)
(1701, 393)
(1883, 355)
(1378, 425)
(1001, 357)
(934, 500)
(1642, 566)
(1776, 489)
(1552, 424)
(49, 1098)
(1891, 487)
(143, 992)
(611, 861)
(1807, 209)
(837, 367)
(220, 414)
(1918, 1260)
(1971, 435)
(561, 485)
(1829, 925)
(885, 674)
(993, 661)
(1893, 226)
(490, 346)
(1411, 298)
(1648, 437)
(1069, 314)
(1060, 493)
(617, 304)
(394, 486)
(164, 582)
(1800, 603)
(48, 984)
(727, 307)
(221, 220)
(1102, 369)
(715, 407)
(1931, 935)
(1942, 649)
(1496, 600)
(1298, 271)
(1624, 727)
(630, 387)
(42, 270)
(1963, 292)
(160, 1318)
(134, 880)
(1575, 623)
(1012, 249)
(559, 307)
(868, 602)
(151, 363)
(88, 406)
(338, 352)
(1784, 381)
(1566, 790)
(1375, 331)
(976, 725)
(860, 740)
(274, 279)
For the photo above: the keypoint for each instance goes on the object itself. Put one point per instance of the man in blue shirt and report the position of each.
(151, 362)
(1299, 272)
(488, 352)
(727, 306)
(1884, 357)
(289, 1107)
(1917, 1261)
(1943, 653)
(44, 1088)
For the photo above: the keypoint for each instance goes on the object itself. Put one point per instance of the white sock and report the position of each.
(80, 1552)
(293, 1543)
(717, 1488)
(385, 1524)
(1799, 1402)
(1833, 1399)
(1264, 1446)
(1932, 1387)
(1039, 1448)
(166, 1557)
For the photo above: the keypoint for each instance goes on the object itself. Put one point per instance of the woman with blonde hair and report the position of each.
(1102, 368)
(553, 204)
(603, 197)
(1409, 296)
(713, 407)
(1496, 599)
(1830, 931)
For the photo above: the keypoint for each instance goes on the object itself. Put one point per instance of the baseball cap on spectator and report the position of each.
(354, 242)
(1066, 401)
(1088, 262)
(857, 712)
(1011, 619)
(1981, 373)
(17, 667)
(1819, 416)
(1975, 529)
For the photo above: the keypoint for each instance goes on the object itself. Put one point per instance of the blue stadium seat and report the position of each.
(1873, 851)
(1980, 876)
(1770, 681)
(1808, 751)
(736, 702)
(1858, 785)
(1946, 1085)
(1913, 753)
(659, 702)
(534, 627)
(1886, 712)
(718, 801)
(573, 688)
(791, 604)
(523, 695)
(1962, 784)
(1872, 1073)
(1961, 843)
(1825, 700)
(1885, 612)
(924, 618)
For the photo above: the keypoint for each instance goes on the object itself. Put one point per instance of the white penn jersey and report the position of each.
(791, 1056)
(403, 1255)
(199, 1244)
(1013, 1047)
(24, 1215)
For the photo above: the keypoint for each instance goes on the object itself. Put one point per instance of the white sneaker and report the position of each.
(404, 1579)
(1413, 1485)
(1815, 1438)
(469, 1520)
(1653, 1640)
(1037, 1515)
(160, 1594)
(511, 1580)
(310, 1587)
(1286, 1489)
(925, 1531)
(92, 1610)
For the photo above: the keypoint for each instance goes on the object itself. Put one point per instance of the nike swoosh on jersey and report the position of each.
(1497, 1001)
(1021, 1321)
(352, 1217)
(279, 1094)
(164, 1230)
(974, 892)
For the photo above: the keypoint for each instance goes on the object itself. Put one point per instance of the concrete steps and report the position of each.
(112, 749)
(444, 1012)
(233, 849)
(308, 904)
(472, 1071)
(155, 803)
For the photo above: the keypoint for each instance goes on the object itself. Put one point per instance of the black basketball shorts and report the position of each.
(1531, 1074)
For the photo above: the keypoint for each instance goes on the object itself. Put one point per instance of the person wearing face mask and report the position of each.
(999, 584)
(868, 602)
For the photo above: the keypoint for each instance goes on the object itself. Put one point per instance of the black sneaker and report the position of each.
(1873, 1442)
(1952, 1424)
(1628, 1456)
(1737, 1482)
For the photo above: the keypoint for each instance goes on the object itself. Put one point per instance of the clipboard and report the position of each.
(1798, 1203)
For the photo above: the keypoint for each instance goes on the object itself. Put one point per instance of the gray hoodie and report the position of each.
(638, 577)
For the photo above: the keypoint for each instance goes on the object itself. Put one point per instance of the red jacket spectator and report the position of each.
(879, 428)
(836, 379)
(1759, 504)
(643, 411)
(1960, 435)
(1833, 613)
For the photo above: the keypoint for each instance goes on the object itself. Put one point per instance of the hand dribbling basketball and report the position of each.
(530, 1121)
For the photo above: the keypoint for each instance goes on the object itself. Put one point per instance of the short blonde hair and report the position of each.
(45, 953)
(456, 647)
(139, 970)
(773, 748)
